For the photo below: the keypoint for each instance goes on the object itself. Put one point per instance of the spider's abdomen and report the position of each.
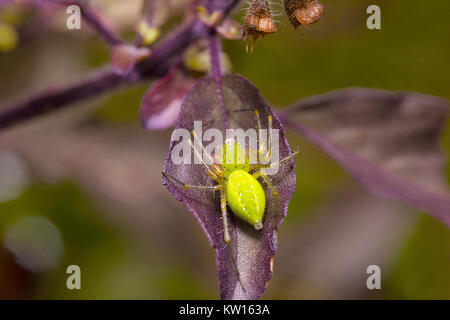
(246, 197)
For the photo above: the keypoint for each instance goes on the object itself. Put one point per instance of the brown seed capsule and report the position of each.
(303, 12)
(258, 21)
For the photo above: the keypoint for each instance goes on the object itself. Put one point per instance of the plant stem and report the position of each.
(53, 100)
(99, 82)
(92, 19)
(216, 72)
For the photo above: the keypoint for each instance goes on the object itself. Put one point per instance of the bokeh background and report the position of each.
(83, 186)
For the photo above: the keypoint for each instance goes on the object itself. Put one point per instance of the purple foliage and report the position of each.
(245, 265)
(388, 141)
(161, 103)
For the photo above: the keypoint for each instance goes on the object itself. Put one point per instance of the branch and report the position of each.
(155, 66)
(52, 100)
(216, 72)
(377, 180)
(93, 20)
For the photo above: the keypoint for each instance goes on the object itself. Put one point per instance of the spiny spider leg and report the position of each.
(265, 148)
(270, 186)
(197, 154)
(284, 160)
(262, 146)
(259, 173)
(211, 173)
(215, 171)
(268, 154)
(267, 181)
(258, 120)
(223, 209)
(187, 186)
(201, 145)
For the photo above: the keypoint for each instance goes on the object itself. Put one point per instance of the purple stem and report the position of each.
(155, 66)
(375, 179)
(52, 100)
(92, 19)
(97, 25)
(216, 72)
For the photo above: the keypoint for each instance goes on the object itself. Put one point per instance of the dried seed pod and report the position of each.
(303, 12)
(258, 21)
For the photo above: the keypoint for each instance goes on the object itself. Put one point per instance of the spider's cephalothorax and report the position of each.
(244, 194)
(236, 179)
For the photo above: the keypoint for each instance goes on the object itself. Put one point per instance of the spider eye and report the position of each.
(233, 157)
(229, 141)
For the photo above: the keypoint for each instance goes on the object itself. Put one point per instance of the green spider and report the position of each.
(237, 182)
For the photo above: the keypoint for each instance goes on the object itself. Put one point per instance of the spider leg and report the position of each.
(265, 149)
(223, 208)
(197, 139)
(284, 160)
(187, 186)
(211, 172)
(262, 146)
(270, 186)
(268, 154)
(258, 174)
(258, 120)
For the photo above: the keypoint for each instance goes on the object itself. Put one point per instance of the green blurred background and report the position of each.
(151, 247)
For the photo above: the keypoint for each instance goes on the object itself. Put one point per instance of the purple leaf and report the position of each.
(245, 264)
(329, 251)
(387, 141)
(161, 104)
